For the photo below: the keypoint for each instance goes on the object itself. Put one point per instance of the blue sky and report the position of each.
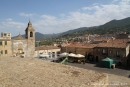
(56, 16)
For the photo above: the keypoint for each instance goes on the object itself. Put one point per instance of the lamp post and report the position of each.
(38, 47)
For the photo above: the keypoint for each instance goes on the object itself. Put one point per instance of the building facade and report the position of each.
(49, 50)
(5, 44)
(116, 49)
(19, 45)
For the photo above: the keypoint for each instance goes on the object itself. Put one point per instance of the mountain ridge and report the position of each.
(107, 28)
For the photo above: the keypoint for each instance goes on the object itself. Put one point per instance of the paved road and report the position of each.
(116, 71)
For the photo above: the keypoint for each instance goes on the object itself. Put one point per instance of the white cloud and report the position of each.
(115, 1)
(62, 15)
(13, 27)
(48, 17)
(85, 17)
(13, 24)
(93, 15)
(9, 19)
(26, 15)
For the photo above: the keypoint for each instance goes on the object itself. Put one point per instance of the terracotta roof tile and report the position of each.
(81, 45)
(117, 43)
(46, 47)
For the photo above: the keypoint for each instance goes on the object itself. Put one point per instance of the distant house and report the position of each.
(79, 48)
(117, 49)
(5, 44)
(123, 36)
(54, 50)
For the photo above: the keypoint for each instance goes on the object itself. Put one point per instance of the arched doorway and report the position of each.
(20, 49)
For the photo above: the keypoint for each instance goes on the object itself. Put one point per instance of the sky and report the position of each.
(56, 16)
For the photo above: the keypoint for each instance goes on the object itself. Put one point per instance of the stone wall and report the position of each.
(84, 51)
(19, 46)
(68, 49)
(123, 53)
(30, 47)
(27, 47)
(77, 50)
(32, 72)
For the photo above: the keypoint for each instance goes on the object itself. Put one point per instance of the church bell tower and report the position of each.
(30, 32)
(30, 38)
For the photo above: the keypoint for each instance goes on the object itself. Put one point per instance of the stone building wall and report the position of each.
(111, 52)
(19, 47)
(5, 47)
(84, 51)
(23, 46)
(77, 50)
(30, 48)
(98, 51)
(68, 49)
(55, 51)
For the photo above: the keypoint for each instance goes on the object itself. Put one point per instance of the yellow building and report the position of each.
(5, 44)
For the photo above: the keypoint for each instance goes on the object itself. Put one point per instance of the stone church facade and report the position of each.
(20, 45)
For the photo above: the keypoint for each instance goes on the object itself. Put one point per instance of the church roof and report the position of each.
(19, 37)
(29, 27)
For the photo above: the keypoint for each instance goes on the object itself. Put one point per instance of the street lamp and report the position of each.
(38, 47)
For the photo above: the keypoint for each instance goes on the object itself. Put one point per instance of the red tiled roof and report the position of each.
(75, 45)
(90, 45)
(102, 39)
(46, 47)
(81, 45)
(117, 43)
